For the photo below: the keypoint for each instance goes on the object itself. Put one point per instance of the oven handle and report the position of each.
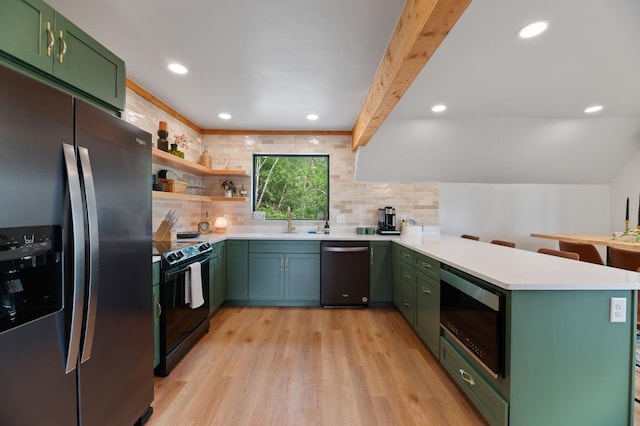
(483, 296)
(171, 274)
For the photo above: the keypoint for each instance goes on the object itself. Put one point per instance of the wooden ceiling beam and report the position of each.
(421, 28)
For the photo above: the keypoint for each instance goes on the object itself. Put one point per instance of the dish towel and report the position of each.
(193, 286)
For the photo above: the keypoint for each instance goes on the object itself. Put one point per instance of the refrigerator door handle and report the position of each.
(92, 220)
(77, 226)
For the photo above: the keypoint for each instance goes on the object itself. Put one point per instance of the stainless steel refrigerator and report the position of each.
(76, 330)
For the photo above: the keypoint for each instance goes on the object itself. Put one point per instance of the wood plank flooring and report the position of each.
(309, 366)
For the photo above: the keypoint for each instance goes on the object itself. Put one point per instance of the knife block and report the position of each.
(163, 233)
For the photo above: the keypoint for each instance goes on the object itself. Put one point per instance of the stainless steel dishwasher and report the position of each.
(344, 273)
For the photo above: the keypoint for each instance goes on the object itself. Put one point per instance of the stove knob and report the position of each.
(171, 257)
(180, 255)
(204, 246)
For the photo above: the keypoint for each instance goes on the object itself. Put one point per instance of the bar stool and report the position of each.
(504, 243)
(624, 259)
(588, 252)
(470, 237)
(560, 253)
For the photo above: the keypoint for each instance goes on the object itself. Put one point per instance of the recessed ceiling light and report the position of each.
(177, 68)
(224, 116)
(312, 117)
(438, 108)
(534, 29)
(592, 109)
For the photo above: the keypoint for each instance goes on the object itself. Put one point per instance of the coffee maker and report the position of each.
(387, 221)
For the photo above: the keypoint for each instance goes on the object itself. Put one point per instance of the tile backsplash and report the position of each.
(357, 202)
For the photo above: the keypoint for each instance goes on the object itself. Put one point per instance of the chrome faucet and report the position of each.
(290, 227)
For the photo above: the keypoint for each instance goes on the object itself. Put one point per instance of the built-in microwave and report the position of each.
(473, 314)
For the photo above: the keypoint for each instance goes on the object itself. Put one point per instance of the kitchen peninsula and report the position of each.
(564, 361)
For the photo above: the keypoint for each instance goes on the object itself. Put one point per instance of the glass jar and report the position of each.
(175, 151)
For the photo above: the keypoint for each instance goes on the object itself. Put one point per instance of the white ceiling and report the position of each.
(267, 63)
(514, 107)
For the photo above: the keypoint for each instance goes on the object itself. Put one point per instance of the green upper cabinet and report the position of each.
(36, 35)
(380, 291)
(27, 32)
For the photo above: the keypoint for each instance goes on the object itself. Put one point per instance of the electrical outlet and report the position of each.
(403, 217)
(258, 216)
(618, 309)
(340, 218)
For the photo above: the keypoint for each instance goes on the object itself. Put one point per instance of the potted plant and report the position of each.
(228, 187)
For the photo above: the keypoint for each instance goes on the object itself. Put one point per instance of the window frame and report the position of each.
(326, 157)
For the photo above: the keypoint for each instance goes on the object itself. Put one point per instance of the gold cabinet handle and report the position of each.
(281, 265)
(426, 265)
(426, 290)
(466, 377)
(371, 256)
(159, 311)
(64, 47)
(407, 277)
(406, 304)
(286, 265)
(406, 255)
(52, 39)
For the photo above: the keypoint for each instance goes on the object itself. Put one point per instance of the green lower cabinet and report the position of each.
(156, 313)
(407, 293)
(428, 311)
(220, 284)
(493, 407)
(33, 33)
(381, 274)
(217, 283)
(284, 273)
(302, 277)
(237, 268)
(266, 276)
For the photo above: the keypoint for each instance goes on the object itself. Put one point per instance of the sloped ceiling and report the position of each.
(515, 107)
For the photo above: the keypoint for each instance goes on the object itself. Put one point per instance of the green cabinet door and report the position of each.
(302, 277)
(428, 311)
(380, 272)
(237, 268)
(220, 286)
(266, 276)
(213, 260)
(156, 313)
(27, 32)
(33, 33)
(87, 65)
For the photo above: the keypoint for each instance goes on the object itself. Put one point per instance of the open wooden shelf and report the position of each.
(160, 195)
(161, 157)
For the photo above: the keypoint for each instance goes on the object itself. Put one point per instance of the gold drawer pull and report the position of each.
(426, 265)
(406, 304)
(52, 39)
(426, 290)
(406, 255)
(64, 47)
(407, 277)
(466, 377)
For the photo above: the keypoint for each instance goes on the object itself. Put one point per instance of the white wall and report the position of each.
(625, 184)
(513, 211)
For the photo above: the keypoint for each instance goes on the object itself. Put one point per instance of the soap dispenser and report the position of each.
(204, 227)
(326, 227)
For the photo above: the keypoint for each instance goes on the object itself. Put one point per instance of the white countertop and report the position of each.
(505, 267)
(515, 269)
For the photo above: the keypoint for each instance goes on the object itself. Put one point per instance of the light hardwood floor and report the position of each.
(309, 366)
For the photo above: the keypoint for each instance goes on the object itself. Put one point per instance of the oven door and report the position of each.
(177, 318)
(474, 315)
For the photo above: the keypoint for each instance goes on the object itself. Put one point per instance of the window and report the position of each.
(297, 181)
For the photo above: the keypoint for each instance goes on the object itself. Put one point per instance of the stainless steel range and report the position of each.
(181, 325)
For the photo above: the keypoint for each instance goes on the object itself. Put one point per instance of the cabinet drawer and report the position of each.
(407, 255)
(492, 406)
(270, 246)
(427, 265)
